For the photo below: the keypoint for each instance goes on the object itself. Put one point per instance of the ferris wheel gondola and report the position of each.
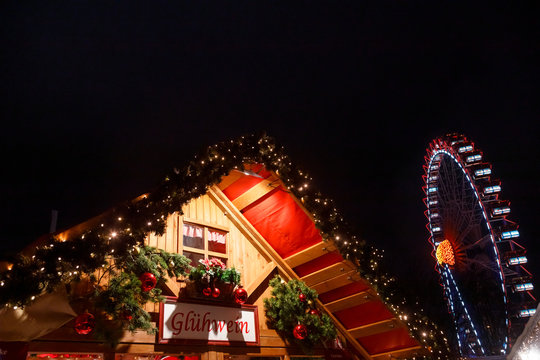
(478, 255)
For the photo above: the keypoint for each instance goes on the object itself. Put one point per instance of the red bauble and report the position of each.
(302, 297)
(315, 312)
(216, 292)
(300, 332)
(84, 323)
(127, 315)
(240, 295)
(148, 281)
(207, 291)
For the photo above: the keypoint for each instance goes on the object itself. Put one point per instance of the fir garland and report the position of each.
(116, 298)
(292, 304)
(128, 224)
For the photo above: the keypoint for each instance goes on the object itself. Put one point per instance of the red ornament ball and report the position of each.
(302, 297)
(300, 332)
(207, 291)
(84, 323)
(148, 281)
(127, 315)
(216, 292)
(240, 296)
(315, 312)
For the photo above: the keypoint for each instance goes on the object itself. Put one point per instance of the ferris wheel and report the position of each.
(476, 247)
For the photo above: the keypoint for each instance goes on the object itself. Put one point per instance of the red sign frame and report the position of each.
(214, 304)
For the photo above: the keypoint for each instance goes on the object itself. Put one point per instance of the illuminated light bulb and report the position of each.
(32, 298)
(114, 234)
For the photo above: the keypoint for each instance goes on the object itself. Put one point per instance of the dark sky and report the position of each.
(100, 99)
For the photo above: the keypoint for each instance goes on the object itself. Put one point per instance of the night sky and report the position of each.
(99, 100)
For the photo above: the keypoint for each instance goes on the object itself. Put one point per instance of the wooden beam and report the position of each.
(396, 354)
(375, 328)
(254, 237)
(352, 300)
(310, 253)
(255, 193)
(172, 286)
(328, 273)
(236, 217)
(259, 285)
(338, 281)
(229, 179)
(262, 245)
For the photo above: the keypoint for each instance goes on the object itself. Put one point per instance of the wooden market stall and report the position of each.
(251, 221)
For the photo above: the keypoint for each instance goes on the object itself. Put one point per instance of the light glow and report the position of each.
(510, 234)
(531, 354)
(482, 172)
(492, 189)
(445, 253)
(517, 260)
(501, 210)
(474, 158)
(527, 313)
(523, 287)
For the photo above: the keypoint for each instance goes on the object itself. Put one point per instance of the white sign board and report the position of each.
(208, 323)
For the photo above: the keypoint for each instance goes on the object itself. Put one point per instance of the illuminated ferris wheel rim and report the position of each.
(438, 149)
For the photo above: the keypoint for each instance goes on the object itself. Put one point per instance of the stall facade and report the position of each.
(249, 216)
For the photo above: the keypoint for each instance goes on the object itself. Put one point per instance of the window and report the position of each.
(200, 241)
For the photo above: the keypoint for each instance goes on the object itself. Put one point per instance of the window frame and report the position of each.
(207, 254)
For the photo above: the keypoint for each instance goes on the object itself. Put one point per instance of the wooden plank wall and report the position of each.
(242, 255)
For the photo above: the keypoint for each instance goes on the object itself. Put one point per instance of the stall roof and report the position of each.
(281, 219)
